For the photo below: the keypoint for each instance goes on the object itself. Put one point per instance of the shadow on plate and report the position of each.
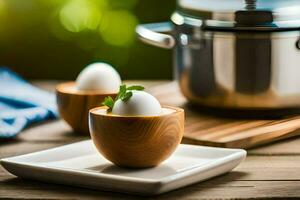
(148, 173)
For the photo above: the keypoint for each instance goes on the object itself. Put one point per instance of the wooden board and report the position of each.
(219, 131)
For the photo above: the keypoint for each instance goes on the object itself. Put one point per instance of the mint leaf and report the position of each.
(109, 102)
(135, 87)
(122, 92)
(127, 96)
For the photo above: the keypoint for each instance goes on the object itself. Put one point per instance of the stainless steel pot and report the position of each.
(234, 53)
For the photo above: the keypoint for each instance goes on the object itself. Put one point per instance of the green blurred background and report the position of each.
(55, 39)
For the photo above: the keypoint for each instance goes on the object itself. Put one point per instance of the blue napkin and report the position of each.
(22, 104)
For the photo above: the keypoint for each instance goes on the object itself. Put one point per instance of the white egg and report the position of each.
(140, 104)
(99, 76)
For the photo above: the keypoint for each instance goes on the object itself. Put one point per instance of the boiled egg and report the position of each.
(99, 76)
(139, 104)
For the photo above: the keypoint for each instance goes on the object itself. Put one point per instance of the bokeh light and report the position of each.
(112, 20)
(2, 6)
(2, 11)
(117, 28)
(55, 39)
(79, 15)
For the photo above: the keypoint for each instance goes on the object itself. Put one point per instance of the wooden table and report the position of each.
(269, 171)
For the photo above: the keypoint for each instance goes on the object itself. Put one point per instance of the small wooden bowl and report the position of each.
(74, 105)
(136, 141)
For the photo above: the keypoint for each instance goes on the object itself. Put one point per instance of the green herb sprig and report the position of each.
(125, 93)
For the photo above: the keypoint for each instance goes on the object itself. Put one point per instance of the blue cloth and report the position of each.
(22, 104)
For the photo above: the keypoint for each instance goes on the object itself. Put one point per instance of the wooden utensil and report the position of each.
(74, 105)
(136, 141)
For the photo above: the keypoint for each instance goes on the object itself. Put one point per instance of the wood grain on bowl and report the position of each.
(74, 105)
(136, 141)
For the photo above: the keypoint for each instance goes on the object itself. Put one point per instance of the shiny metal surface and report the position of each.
(228, 60)
(154, 34)
(240, 70)
(213, 24)
(243, 14)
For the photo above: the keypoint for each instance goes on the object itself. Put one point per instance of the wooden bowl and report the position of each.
(74, 105)
(136, 141)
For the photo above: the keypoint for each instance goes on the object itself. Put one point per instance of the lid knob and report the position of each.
(251, 16)
(250, 5)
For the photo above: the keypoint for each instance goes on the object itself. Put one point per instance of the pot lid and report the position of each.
(243, 14)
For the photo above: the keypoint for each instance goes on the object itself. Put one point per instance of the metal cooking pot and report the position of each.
(234, 53)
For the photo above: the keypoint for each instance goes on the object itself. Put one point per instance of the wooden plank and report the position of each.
(223, 189)
(218, 188)
(240, 134)
(51, 131)
(286, 147)
(269, 168)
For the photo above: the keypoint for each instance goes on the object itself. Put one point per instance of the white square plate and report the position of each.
(81, 165)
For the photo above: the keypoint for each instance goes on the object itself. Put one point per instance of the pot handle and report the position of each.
(157, 34)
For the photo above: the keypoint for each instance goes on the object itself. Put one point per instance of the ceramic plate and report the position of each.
(81, 165)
